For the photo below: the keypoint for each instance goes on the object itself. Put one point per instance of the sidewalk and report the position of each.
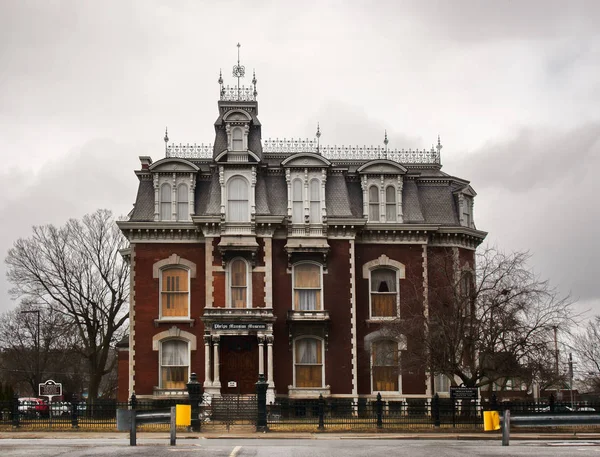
(301, 436)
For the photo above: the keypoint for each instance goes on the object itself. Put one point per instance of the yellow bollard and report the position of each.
(183, 415)
(491, 421)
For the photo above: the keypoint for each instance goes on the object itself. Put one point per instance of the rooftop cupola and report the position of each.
(237, 129)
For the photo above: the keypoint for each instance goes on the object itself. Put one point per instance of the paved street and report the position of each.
(337, 447)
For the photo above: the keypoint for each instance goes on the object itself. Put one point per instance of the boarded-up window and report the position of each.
(174, 364)
(174, 293)
(385, 365)
(238, 284)
(307, 287)
(309, 362)
(384, 293)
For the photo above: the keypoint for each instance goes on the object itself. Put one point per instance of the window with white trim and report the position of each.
(467, 216)
(384, 293)
(384, 366)
(308, 362)
(183, 212)
(174, 364)
(307, 279)
(237, 139)
(315, 201)
(237, 200)
(174, 293)
(165, 202)
(374, 203)
(297, 202)
(238, 284)
(391, 208)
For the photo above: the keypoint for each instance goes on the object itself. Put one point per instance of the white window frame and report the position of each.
(160, 365)
(160, 292)
(297, 201)
(397, 294)
(372, 361)
(314, 213)
(389, 204)
(186, 213)
(229, 303)
(374, 204)
(320, 303)
(247, 200)
(310, 337)
(163, 202)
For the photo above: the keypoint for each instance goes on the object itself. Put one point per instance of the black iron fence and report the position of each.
(322, 414)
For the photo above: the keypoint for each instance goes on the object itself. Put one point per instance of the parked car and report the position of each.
(33, 407)
(60, 408)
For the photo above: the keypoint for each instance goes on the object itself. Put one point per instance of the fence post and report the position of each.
(379, 410)
(74, 412)
(551, 402)
(435, 410)
(494, 402)
(261, 400)
(15, 411)
(506, 428)
(194, 389)
(321, 412)
(133, 428)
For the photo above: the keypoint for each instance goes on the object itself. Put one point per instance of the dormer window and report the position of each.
(237, 139)
(374, 203)
(315, 201)
(165, 202)
(183, 212)
(297, 202)
(467, 215)
(237, 200)
(390, 204)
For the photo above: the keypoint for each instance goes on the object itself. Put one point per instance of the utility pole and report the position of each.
(37, 346)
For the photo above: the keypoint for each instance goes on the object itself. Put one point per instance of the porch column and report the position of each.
(207, 378)
(216, 379)
(261, 355)
(270, 360)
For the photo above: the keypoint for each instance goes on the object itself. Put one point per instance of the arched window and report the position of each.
(237, 200)
(237, 139)
(385, 369)
(390, 204)
(374, 203)
(174, 293)
(238, 283)
(165, 202)
(307, 287)
(308, 362)
(174, 364)
(384, 294)
(315, 201)
(183, 213)
(297, 202)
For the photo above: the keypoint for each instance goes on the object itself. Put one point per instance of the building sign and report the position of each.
(463, 393)
(50, 389)
(239, 326)
(232, 384)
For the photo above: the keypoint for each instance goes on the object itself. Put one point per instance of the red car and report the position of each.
(32, 406)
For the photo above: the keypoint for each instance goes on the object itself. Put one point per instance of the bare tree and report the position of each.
(77, 270)
(486, 324)
(586, 344)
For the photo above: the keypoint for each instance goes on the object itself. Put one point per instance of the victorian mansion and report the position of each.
(285, 258)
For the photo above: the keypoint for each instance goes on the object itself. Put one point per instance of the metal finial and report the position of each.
(385, 140)
(166, 135)
(254, 83)
(166, 142)
(238, 70)
(318, 134)
(439, 145)
(220, 77)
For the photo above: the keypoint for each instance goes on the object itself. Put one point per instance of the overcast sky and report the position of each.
(512, 88)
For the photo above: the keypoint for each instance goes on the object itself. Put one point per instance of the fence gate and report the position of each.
(229, 410)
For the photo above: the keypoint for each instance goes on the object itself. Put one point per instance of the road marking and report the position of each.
(235, 451)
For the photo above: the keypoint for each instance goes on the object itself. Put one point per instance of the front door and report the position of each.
(239, 364)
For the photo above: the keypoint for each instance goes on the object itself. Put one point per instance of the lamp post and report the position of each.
(37, 345)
